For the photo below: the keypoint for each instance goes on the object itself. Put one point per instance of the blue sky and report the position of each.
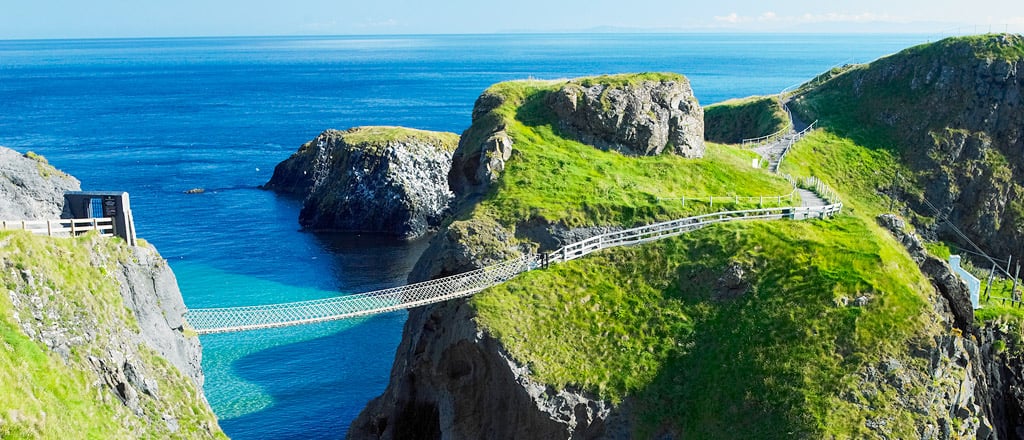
(161, 18)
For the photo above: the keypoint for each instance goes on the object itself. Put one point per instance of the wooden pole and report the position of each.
(892, 200)
(1016, 274)
(988, 286)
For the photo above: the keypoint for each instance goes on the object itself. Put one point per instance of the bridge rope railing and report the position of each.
(231, 319)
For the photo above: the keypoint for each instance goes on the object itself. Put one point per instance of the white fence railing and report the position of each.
(62, 227)
(672, 228)
(720, 200)
(789, 142)
(768, 138)
(773, 137)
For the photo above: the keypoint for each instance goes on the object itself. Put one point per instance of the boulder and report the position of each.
(632, 115)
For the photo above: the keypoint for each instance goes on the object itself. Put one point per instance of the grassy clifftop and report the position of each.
(50, 389)
(375, 138)
(553, 178)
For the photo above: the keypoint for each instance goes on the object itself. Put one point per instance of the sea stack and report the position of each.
(388, 180)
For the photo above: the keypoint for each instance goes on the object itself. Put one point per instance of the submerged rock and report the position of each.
(387, 180)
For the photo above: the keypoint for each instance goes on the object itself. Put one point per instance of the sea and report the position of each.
(158, 117)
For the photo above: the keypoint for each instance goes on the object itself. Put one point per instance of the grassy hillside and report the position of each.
(736, 119)
(557, 179)
(897, 100)
(949, 114)
(46, 395)
(735, 331)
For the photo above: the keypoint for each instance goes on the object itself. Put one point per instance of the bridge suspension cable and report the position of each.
(232, 319)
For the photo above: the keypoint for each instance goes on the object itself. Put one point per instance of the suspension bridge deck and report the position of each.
(233, 319)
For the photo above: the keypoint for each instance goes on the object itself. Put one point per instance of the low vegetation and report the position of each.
(379, 136)
(45, 395)
(734, 120)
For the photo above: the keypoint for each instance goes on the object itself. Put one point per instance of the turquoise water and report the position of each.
(157, 117)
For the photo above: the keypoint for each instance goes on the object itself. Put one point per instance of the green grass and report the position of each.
(1008, 47)
(44, 396)
(380, 136)
(862, 176)
(640, 322)
(939, 249)
(629, 79)
(557, 179)
(43, 166)
(737, 119)
(877, 104)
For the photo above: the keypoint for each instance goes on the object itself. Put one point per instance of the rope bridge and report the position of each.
(232, 319)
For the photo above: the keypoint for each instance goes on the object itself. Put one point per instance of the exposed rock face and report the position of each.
(370, 179)
(30, 188)
(150, 291)
(939, 272)
(483, 150)
(451, 379)
(640, 118)
(1004, 366)
(955, 111)
(632, 114)
(976, 383)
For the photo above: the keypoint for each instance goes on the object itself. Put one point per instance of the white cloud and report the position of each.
(830, 17)
(731, 18)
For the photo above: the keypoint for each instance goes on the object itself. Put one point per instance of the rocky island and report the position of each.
(93, 333)
(388, 180)
(846, 328)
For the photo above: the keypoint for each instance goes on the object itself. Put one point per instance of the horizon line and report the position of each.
(512, 32)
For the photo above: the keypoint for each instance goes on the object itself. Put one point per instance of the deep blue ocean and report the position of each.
(157, 117)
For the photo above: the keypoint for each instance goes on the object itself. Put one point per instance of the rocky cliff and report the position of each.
(635, 114)
(30, 188)
(451, 379)
(96, 340)
(954, 112)
(370, 179)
